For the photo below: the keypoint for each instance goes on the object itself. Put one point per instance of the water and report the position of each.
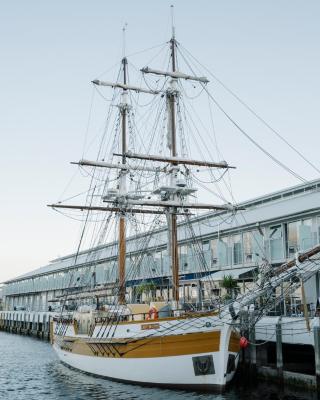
(30, 370)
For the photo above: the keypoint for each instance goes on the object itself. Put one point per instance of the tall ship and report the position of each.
(145, 177)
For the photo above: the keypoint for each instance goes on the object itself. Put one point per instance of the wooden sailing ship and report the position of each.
(162, 344)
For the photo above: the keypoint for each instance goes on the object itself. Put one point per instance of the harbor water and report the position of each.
(30, 370)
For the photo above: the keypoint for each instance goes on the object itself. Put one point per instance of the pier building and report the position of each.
(271, 227)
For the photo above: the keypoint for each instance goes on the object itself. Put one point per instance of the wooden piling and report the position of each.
(27, 323)
(253, 348)
(279, 350)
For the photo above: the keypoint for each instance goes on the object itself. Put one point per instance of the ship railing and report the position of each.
(150, 317)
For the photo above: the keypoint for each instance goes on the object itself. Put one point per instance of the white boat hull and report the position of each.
(207, 370)
(166, 371)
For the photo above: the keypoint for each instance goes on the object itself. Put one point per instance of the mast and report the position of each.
(173, 202)
(122, 192)
(173, 234)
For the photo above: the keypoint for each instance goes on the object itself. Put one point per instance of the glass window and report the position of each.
(214, 251)
(165, 262)
(275, 232)
(276, 243)
(206, 251)
(183, 250)
(237, 249)
(248, 247)
(113, 271)
(158, 261)
(135, 262)
(100, 279)
(293, 237)
(223, 251)
(306, 236)
(258, 237)
(183, 258)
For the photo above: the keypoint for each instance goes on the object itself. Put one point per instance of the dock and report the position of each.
(285, 350)
(31, 323)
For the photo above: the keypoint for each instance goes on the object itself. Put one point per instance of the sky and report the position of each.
(266, 52)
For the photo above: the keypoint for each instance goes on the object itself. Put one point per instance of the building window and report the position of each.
(237, 249)
(183, 250)
(183, 257)
(293, 238)
(299, 236)
(248, 247)
(165, 261)
(223, 251)
(214, 251)
(306, 236)
(158, 261)
(276, 244)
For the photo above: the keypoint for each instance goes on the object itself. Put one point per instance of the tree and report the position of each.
(147, 288)
(230, 284)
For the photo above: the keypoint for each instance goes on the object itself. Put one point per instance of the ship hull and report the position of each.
(172, 372)
(198, 360)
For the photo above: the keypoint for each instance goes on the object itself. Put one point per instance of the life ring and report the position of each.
(153, 313)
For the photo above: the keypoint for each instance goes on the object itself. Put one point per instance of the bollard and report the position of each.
(279, 349)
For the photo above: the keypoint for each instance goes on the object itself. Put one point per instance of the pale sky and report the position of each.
(266, 51)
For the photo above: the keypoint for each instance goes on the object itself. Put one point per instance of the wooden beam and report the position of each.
(175, 75)
(124, 86)
(177, 160)
(103, 164)
(170, 203)
(111, 209)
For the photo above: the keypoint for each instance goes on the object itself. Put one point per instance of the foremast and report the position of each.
(172, 212)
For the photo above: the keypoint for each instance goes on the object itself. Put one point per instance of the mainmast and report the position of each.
(122, 191)
(172, 216)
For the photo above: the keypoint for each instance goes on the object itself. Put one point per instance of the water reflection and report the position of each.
(30, 370)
